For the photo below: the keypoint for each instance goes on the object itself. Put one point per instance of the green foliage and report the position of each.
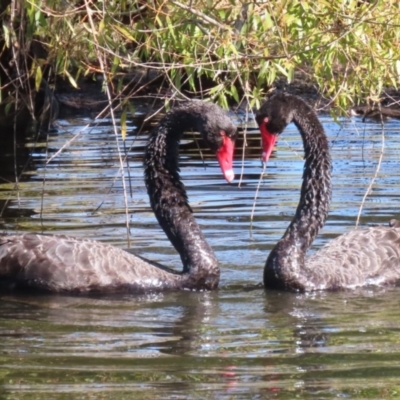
(349, 48)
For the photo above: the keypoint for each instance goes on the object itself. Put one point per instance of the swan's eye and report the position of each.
(261, 120)
(231, 133)
(265, 121)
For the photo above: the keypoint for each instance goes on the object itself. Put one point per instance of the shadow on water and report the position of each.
(237, 342)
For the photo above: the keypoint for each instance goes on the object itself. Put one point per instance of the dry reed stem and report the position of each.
(256, 194)
(103, 67)
(369, 189)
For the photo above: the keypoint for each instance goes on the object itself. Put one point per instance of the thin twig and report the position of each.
(200, 15)
(44, 183)
(107, 86)
(369, 189)
(256, 194)
(15, 151)
(246, 96)
(244, 147)
(169, 79)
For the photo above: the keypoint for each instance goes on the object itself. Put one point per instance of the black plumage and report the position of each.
(58, 263)
(360, 257)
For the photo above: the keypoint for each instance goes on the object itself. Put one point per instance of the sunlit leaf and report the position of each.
(7, 36)
(348, 49)
(281, 69)
(235, 93)
(71, 79)
(38, 78)
(124, 32)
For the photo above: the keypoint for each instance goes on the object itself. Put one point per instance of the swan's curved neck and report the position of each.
(168, 196)
(313, 207)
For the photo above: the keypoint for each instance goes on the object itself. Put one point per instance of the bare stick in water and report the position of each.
(369, 189)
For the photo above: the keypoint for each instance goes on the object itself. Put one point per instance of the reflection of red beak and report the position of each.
(268, 141)
(225, 158)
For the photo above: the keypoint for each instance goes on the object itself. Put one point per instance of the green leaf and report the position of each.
(7, 36)
(71, 79)
(7, 108)
(131, 108)
(124, 32)
(235, 93)
(281, 69)
(38, 78)
(222, 100)
(271, 76)
(398, 68)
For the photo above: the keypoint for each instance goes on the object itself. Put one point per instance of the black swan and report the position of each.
(360, 257)
(64, 264)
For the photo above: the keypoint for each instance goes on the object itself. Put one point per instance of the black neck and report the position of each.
(167, 194)
(315, 195)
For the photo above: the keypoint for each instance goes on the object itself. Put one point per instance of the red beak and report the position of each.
(225, 158)
(268, 141)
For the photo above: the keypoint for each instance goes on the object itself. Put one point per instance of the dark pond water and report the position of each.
(238, 342)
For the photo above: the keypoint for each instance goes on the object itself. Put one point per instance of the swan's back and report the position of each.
(361, 257)
(64, 264)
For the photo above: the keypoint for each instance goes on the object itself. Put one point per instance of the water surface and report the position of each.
(237, 342)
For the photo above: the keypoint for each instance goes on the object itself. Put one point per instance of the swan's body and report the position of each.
(361, 257)
(63, 264)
